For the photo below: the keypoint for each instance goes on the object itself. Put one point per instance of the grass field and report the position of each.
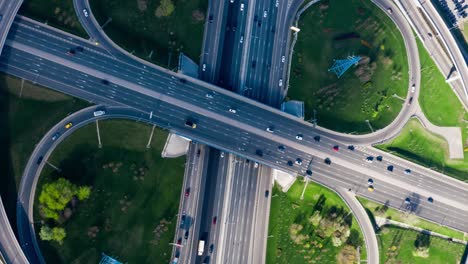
(134, 192)
(417, 144)
(333, 30)
(287, 209)
(410, 219)
(24, 120)
(59, 14)
(397, 246)
(136, 28)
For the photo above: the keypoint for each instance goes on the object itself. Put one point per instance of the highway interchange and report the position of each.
(33, 44)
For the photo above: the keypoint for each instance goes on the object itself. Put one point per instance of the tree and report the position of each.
(423, 241)
(354, 239)
(58, 234)
(46, 233)
(83, 193)
(165, 8)
(49, 213)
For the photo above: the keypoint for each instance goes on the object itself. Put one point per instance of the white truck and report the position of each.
(201, 247)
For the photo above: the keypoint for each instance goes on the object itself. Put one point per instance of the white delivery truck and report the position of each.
(201, 247)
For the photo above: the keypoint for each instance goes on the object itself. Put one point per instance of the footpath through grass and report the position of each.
(59, 14)
(379, 210)
(312, 230)
(335, 29)
(442, 107)
(136, 27)
(131, 212)
(27, 112)
(397, 245)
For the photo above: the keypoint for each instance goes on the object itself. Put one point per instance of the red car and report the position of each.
(214, 220)
(179, 241)
(187, 192)
(336, 148)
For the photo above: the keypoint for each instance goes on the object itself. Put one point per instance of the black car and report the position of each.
(430, 199)
(281, 149)
(182, 221)
(267, 193)
(39, 160)
(351, 147)
(379, 158)
(290, 163)
(317, 138)
(105, 82)
(210, 18)
(211, 248)
(186, 234)
(309, 172)
(254, 63)
(259, 152)
(80, 49)
(327, 161)
(390, 168)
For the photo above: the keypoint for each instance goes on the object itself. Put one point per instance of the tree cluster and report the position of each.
(57, 234)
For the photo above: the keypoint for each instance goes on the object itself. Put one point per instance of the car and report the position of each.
(215, 219)
(39, 160)
(254, 63)
(210, 19)
(270, 129)
(390, 167)
(204, 68)
(68, 125)
(317, 138)
(241, 40)
(105, 82)
(370, 188)
(255, 18)
(85, 12)
(99, 113)
(242, 7)
(280, 82)
(281, 148)
(389, 10)
(71, 52)
(259, 152)
(187, 192)
(232, 1)
(299, 137)
(298, 161)
(256, 165)
(179, 241)
(407, 171)
(232, 110)
(267, 192)
(410, 100)
(413, 88)
(222, 154)
(370, 181)
(351, 147)
(182, 221)
(209, 96)
(336, 148)
(191, 124)
(79, 48)
(211, 248)
(430, 199)
(290, 163)
(277, 3)
(379, 158)
(55, 136)
(327, 161)
(283, 59)
(198, 152)
(369, 159)
(265, 13)
(186, 235)
(309, 172)
(407, 200)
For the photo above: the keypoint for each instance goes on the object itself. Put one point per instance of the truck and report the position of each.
(201, 247)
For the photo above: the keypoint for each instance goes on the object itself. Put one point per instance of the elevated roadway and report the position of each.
(8, 10)
(10, 250)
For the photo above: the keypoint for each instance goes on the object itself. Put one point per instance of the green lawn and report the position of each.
(333, 30)
(23, 121)
(134, 193)
(417, 144)
(287, 209)
(59, 14)
(135, 27)
(397, 246)
(411, 219)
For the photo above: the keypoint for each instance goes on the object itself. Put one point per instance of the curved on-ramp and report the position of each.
(44, 148)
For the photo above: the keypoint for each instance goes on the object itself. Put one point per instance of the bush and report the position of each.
(354, 239)
(57, 234)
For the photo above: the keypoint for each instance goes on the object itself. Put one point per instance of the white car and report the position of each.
(298, 162)
(280, 83)
(277, 3)
(265, 14)
(283, 59)
(85, 12)
(99, 113)
(269, 129)
(232, 110)
(242, 7)
(256, 165)
(222, 154)
(232, 1)
(241, 39)
(210, 96)
(413, 87)
(299, 137)
(204, 67)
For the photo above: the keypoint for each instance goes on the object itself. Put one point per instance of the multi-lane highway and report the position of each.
(8, 10)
